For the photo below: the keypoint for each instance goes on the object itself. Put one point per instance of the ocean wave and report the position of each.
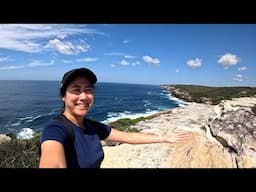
(114, 116)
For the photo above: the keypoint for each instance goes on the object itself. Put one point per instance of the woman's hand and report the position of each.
(175, 136)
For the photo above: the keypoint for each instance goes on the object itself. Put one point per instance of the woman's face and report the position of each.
(78, 97)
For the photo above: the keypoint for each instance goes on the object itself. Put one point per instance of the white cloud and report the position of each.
(228, 60)
(242, 68)
(87, 59)
(194, 63)
(67, 48)
(177, 70)
(32, 38)
(129, 57)
(39, 63)
(151, 60)
(124, 62)
(238, 77)
(12, 67)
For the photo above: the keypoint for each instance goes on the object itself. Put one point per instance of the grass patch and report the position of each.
(18, 153)
(126, 123)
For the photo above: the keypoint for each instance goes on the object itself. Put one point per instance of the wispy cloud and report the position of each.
(130, 57)
(67, 61)
(194, 63)
(127, 41)
(87, 59)
(67, 47)
(151, 60)
(116, 54)
(126, 63)
(242, 68)
(125, 55)
(12, 67)
(34, 38)
(5, 59)
(238, 77)
(135, 63)
(228, 60)
(39, 63)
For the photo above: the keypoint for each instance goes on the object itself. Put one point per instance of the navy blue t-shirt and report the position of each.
(86, 151)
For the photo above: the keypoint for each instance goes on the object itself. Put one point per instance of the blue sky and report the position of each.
(199, 54)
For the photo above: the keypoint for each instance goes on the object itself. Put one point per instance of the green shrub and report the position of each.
(20, 153)
(123, 125)
(126, 123)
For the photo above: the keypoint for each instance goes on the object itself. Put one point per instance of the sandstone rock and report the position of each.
(4, 138)
(222, 136)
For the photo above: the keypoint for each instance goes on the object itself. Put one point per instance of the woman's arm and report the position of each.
(142, 138)
(52, 155)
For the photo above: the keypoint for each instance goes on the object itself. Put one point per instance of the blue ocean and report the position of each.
(31, 104)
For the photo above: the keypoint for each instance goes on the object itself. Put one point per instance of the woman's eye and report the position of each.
(76, 90)
(89, 90)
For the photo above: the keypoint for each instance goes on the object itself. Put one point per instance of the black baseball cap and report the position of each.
(72, 74)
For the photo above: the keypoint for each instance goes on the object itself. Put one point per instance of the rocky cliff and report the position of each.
(222, 136)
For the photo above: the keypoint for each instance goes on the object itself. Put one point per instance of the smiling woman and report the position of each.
(85, 150)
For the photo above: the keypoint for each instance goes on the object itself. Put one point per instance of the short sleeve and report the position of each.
(54, 131)
(102, 130)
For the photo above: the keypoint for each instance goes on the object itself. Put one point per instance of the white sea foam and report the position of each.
(25, 133)
(126, 114)
(180, 102)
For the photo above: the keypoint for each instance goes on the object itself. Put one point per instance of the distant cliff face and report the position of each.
(176, 92)
(222, 136)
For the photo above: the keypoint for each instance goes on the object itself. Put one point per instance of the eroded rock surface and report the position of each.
(222, 136)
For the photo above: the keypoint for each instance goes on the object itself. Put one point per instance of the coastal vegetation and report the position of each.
(206, 94)
(126, 123)
(18, 153)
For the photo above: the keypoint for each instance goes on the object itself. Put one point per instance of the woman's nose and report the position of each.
(83, 94)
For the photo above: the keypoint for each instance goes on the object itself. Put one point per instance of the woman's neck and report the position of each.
(77, 120)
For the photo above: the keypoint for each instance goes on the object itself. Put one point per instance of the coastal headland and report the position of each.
(222, 125)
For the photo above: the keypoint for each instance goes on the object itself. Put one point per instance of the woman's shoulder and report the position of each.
(54, 130)
(55, 123)
(101, 129)
(93, 122)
